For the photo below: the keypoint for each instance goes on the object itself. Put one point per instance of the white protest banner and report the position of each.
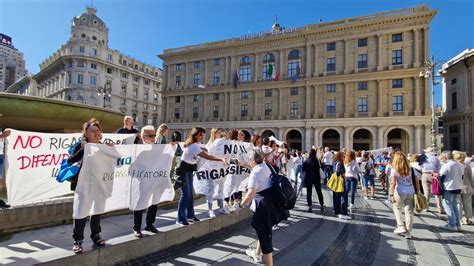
(376, 153)
(32, 161)
(123, 177)
(225, 180)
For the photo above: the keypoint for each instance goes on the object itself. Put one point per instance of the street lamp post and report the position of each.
(430, 72)
(105, 91)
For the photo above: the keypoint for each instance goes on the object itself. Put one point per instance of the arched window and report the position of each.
(268, 59)
(294, 63)
(245, 73)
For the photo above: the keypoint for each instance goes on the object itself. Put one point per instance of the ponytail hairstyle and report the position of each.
(193, 135)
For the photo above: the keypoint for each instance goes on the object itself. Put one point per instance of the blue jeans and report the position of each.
(368, 180)
(340, 202)
(186, 204)
(451, 207)
(351, 187)
(298, 173)
(328, 170)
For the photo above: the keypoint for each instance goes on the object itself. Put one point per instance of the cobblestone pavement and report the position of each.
(322, 239)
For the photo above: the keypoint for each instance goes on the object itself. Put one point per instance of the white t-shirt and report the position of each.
(259, 178)
(190, 153)
(454, 172)
(352, 170)
(267, 150)
(327, 158)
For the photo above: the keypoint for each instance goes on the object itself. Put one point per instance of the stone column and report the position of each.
(226, 107)
(418, 139)
(411, 140)
(427, 136)
(231, 106)
(427, 97)
(255, 107)
(167, 80)
(186, 72)
(184, 108)
(416, 46)
(347, 138)
(380, 140)
(346, 56)
(379, 52)
(280, 103)
(227, 70)
(280, 135)
(316, 61)
(346, 99)
(426, 41)
(204, 107)
(164, 110)
(233, 68)
(462, 137)
(257, 70)
(316, 102)
(204, 80)
(281, 70)
(307, 112)
(308, 60)
(317, 141)
(307, 139)
(380, 111)
(416, 100)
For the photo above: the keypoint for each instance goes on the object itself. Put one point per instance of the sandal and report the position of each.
(99, 242)
(77, 247)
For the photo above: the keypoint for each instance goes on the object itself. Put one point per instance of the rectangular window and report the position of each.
(176, 113)
(454, 101)
(268, 109)
(124, 89)
(135, 92)
(179, 67)
(109, 57)
(145, 95)
(124, 102)
(330, 88)
(93, 81)
(155, 96)
(215, 96)
(397, 37)
(195, 112)
(145, 106)
(197, 79)
(268, 93)
(245, 73)
(80, 79)
(453, 81)
(147, 82)
(136, 78)
(244, 110)
(362, 42)
(362, 105)
(294, 108)
(109, 70)
(93, 66)
(331, 46)
(217, 78)
(124, 75)
(81, 49)
(397, 83)
(397, 103)
(362, 61)
(215, 111)
(397, 57)
(244, 95)
(196, 98)
(217, 62)
(197, 64)
(80, 63)
(362, 86)
(294, 91)
(135, 104)
(177, 99)
(155, 107)
(331, 64)
(178, 81)
(94, 51)
(69, 78)
(331, 106)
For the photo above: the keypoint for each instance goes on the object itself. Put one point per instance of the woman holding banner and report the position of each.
(91, 133)
(192, 150)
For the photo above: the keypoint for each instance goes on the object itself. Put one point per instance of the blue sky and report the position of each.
(144, 28)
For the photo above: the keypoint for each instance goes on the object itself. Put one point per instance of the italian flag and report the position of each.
(272, 72)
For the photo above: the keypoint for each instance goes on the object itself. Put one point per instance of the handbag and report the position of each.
(178, 179)
(436, 187)
(420, 202)
(68, 172)
(336, 183)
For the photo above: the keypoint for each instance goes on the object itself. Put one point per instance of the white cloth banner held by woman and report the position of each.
(123, 177)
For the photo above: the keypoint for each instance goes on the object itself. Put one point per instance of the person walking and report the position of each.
(367, 173)
(430, 169)
(192, 150)
(451, 176)
(382, 162)
(402, 190)
(91, 133)
(340, 199)
(148, 136)
(352, 175)
(327, 162)
(312, 178)
(467, 189)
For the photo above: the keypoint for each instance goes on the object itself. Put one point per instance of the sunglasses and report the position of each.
(151, 136)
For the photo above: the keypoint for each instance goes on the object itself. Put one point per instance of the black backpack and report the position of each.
(284, 192)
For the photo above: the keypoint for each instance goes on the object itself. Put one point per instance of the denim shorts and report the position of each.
(368, 180)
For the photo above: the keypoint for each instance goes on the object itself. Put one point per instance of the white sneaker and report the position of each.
(251, 253)
(344, 217)
(350, 206)
(211, 214)
(224, 210)
(400, 230)
(366, 198)
(408, 235)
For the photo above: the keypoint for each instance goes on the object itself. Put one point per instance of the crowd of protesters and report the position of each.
(448, 176)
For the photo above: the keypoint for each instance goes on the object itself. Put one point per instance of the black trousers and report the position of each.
(309, 191)
(150, 217)
(80, 224)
